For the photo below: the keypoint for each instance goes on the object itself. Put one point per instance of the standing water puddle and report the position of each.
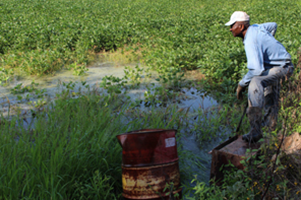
(53, 84)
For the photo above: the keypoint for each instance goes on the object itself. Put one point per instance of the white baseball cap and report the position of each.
(238, 16)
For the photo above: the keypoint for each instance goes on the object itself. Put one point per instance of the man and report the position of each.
(268, 63)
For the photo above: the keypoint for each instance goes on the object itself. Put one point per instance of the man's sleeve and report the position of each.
(271, 27)
(255, 62)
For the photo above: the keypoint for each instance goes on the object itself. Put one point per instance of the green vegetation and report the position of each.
(40, 37)
(68, 155)
(69, 149)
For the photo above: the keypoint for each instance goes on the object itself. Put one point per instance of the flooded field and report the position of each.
(23, 94)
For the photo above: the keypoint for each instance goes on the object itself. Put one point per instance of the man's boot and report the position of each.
(254, 115)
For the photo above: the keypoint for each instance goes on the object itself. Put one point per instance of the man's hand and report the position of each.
(239, 91)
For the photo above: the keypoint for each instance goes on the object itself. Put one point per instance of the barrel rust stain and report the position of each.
(150, 164)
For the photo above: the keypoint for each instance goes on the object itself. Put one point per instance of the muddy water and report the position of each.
(54, 84)
(191, 98)
(199, 160)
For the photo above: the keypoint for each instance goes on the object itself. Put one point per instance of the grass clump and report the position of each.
(71, 153)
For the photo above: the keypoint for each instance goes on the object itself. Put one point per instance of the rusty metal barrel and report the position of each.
(150, 164)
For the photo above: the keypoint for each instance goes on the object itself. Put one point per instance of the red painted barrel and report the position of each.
(149, 163)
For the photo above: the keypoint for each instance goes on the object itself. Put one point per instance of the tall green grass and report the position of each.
(71, 153)
(70, 150)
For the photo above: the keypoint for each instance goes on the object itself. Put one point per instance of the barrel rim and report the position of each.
(148, 131)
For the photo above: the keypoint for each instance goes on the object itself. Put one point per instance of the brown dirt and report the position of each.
(195, 75)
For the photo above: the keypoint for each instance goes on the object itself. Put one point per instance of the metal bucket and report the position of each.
(150, 164)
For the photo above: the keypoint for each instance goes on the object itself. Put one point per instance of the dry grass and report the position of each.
(122, 56)
(195, 75)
